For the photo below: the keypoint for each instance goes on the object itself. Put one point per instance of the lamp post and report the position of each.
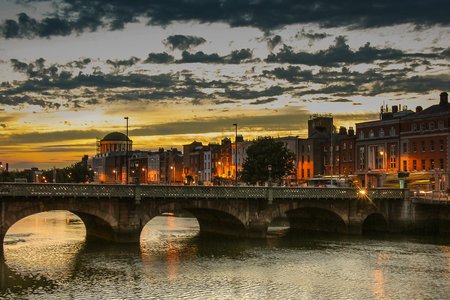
(115, 175)
(270, 193)
(173, 174)
(126, 153)
(145, 175)
(138, 173)
(383, 167)
(235, 154)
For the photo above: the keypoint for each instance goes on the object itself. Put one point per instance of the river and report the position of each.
(47, 258)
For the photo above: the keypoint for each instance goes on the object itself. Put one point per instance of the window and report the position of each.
(371, 134)
(405, 148)
(308, 158)
(309, 148)
(414, 165)
(361, 135)
(381, 132)
(423, 126)
(350, 156)
(344, 146)
(414, 147)
(441, 124)
(423, 164)
(431, 146)
(303, 173)
(405, 166)
(441, 145)
(308, 173)
(392, 131)
(423, 146)
(431, 125)
(350, 145)
(414, 127)
(361, 158)
(441, 164)
(431, 164)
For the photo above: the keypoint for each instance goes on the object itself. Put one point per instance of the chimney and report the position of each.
(351, 131)
(444, 98)
(342, 130)
(419, 109)
(394, 109)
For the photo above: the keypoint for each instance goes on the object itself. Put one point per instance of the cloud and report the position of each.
(55, 136)
(235, 57)
(273, 42)
(159, 58)
(263, 101)
(253, 94)
(118, 63)
(183, 42)
(339, 53)
(79, 16)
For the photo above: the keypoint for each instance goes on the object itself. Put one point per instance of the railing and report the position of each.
(431, 197)
(185, 192)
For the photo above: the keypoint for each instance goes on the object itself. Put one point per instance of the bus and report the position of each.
(332, 181)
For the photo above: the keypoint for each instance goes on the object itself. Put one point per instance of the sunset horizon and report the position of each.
(71, 71)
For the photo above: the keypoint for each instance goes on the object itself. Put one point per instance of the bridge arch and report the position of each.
(99, 224)
(210, 220)
(316, 219)
(373, 223)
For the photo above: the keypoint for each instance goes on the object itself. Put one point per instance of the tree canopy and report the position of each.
(263, 152)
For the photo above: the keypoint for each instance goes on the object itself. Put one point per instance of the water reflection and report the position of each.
(174, 262)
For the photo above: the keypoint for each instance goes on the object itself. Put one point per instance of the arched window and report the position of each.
(381, 132)
(371, 134)
(361, 135)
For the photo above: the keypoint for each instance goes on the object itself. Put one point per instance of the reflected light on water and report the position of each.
(50, 240)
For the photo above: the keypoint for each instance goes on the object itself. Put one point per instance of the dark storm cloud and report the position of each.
(312, 36)
(82, 15)
(22, 100)
(183, 42)
(340, 52)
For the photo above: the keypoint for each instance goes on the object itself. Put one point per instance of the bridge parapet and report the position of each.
(187, 192)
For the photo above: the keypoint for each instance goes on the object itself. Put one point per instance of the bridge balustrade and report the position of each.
(183, 192)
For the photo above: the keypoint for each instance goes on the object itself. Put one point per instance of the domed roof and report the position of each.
(115, 136)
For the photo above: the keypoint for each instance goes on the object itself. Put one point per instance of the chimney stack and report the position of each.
(394, 109)
(419, 109)
(444, 98)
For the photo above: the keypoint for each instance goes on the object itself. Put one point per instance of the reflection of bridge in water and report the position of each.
(119, 212)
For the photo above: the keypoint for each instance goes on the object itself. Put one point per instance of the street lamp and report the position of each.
(138, 173)
(115, 175)
(270, 192)
(383, 167)
(173, 177)
(235, 154)
(145, 176)
(269, 168)
(126, 153)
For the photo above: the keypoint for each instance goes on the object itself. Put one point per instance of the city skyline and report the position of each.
(71, 71)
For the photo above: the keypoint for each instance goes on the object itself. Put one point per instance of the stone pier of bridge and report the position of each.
(118, 213)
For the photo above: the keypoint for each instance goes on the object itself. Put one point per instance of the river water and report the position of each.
(47, 258)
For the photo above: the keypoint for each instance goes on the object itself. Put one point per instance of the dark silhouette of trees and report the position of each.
(263, 152)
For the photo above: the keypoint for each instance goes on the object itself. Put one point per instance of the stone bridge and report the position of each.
(119, 212)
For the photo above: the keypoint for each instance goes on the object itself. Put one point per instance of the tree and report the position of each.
(263, 152)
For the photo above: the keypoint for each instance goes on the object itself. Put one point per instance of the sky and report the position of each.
(71, 70)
